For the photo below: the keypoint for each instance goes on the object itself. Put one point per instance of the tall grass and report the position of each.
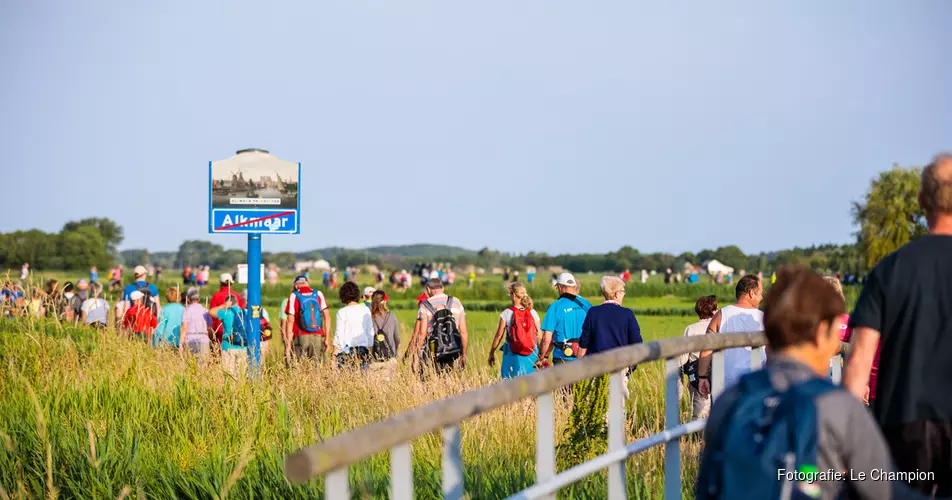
(86, 414)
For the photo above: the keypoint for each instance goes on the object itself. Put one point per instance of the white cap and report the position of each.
(567, 279)
(140, 271)
(369, 290)
(225, 278)
(136, 295)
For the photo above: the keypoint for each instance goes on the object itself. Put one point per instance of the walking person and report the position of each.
(705, 308)
(562, 324)
(234, 340)
(906, 306)
(218, 298)
(354, 332)
(169, 332)
(150, 293)
(520, 326)
(609, 325)
(440, 337)
(24, 271)
(386, 328)
(195, 326)
(138, 318)
(309, 319)
(742, 316)
(95, 309)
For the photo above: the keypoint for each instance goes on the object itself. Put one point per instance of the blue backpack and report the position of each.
(765, 430)
(309, 320)
(239, 331)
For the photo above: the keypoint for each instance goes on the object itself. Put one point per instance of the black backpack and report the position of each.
(381, 348)
(445, 341)
(147, 300)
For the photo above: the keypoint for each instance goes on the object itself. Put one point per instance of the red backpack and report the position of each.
(522, 332)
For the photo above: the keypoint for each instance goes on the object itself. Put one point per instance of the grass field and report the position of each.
(86, 414)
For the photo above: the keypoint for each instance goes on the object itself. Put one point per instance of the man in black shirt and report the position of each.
(907, 305)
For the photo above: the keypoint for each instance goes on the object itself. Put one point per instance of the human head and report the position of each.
(835, 283)
(139, 272)
(749, 289)
(349, 292)
(434, 286)
(935, 191)
(802, 317)
(51, 285)
(300, 282)
(368, 293)
(613, 288)
(229, 300)
(136, 297)
(567, 284)
(225, 279)
(706, 306)
(68, 287)
(172, 295)
(82, 284)
(519, 295)
(194, 296)
(378, 303)
(96, 289)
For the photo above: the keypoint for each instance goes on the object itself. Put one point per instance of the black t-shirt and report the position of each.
(908, 299)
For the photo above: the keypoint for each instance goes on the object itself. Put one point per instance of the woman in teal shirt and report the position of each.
(169, 331)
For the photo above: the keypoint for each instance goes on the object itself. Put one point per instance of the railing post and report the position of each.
(672, 450)
(837, 369)
(717, 374)
(545, 439)
(616, 435)
(401, 472)
(336, 484)
(756, 358)
(452, 464)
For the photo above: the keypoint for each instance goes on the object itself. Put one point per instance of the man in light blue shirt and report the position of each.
(141, 285)
(562, 324)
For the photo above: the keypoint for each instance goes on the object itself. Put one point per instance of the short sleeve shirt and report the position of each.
(564, 319)
(908, 299)
(132, 287)
(439, 302)
(293, 307)
(281, 314)
(228, 318)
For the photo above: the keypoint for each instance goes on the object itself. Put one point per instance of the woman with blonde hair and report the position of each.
(386, 327)
(520, 323)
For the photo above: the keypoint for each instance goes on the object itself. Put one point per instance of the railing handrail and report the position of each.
(352, 446)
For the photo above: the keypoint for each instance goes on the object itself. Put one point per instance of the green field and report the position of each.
(87, 414)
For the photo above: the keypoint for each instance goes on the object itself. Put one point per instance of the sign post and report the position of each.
(254, 193)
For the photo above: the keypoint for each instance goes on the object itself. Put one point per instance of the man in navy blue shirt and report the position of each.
(609, 325)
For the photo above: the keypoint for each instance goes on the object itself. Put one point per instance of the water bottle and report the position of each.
(346, 348)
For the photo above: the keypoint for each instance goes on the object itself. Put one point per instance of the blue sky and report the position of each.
(554, 126)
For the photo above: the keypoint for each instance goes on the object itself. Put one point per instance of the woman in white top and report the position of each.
(353, 330)
(519, 354)
(95, 309)
(705, 307)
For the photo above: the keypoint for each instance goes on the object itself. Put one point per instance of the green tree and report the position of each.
(82, 248)
(731, 256)
(889, 215)
(135, 257)
(110, 231)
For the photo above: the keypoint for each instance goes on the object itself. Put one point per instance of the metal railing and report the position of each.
(333, 457)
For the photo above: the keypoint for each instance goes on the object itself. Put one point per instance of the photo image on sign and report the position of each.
(254, 180)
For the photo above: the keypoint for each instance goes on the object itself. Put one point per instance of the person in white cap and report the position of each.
(218, 299)
(368, 295)
(139, 319)
(562, 324)
(149, 291)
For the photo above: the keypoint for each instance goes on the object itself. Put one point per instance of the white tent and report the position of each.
(715, 267)
(321, 264)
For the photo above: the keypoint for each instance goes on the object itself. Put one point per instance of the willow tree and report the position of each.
(889, 216)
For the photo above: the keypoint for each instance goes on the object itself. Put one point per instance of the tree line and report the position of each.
(888, 216)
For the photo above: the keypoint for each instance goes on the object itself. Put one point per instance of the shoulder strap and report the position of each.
(579, 302)
(429, 306)
(449, 303)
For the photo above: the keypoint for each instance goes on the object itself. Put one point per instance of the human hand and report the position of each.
(327, 346)
(461, 363)
(492, 359)
(704, 387)
(866, 396)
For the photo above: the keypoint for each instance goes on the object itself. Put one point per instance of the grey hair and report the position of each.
(96, 288)
(611, 286)
(434, 284)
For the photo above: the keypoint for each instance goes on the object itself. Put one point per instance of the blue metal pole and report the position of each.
(254, 300)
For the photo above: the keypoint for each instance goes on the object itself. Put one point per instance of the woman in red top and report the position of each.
(846, 333)
(139, 318)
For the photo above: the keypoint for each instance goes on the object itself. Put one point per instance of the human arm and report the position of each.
(497, 339)
(338, 332)
(464, 338)
(704, 360)
(326, 315)
(586, 337)
(183, 333)
(863, 348)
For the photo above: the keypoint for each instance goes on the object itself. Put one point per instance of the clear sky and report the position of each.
(559, 126)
